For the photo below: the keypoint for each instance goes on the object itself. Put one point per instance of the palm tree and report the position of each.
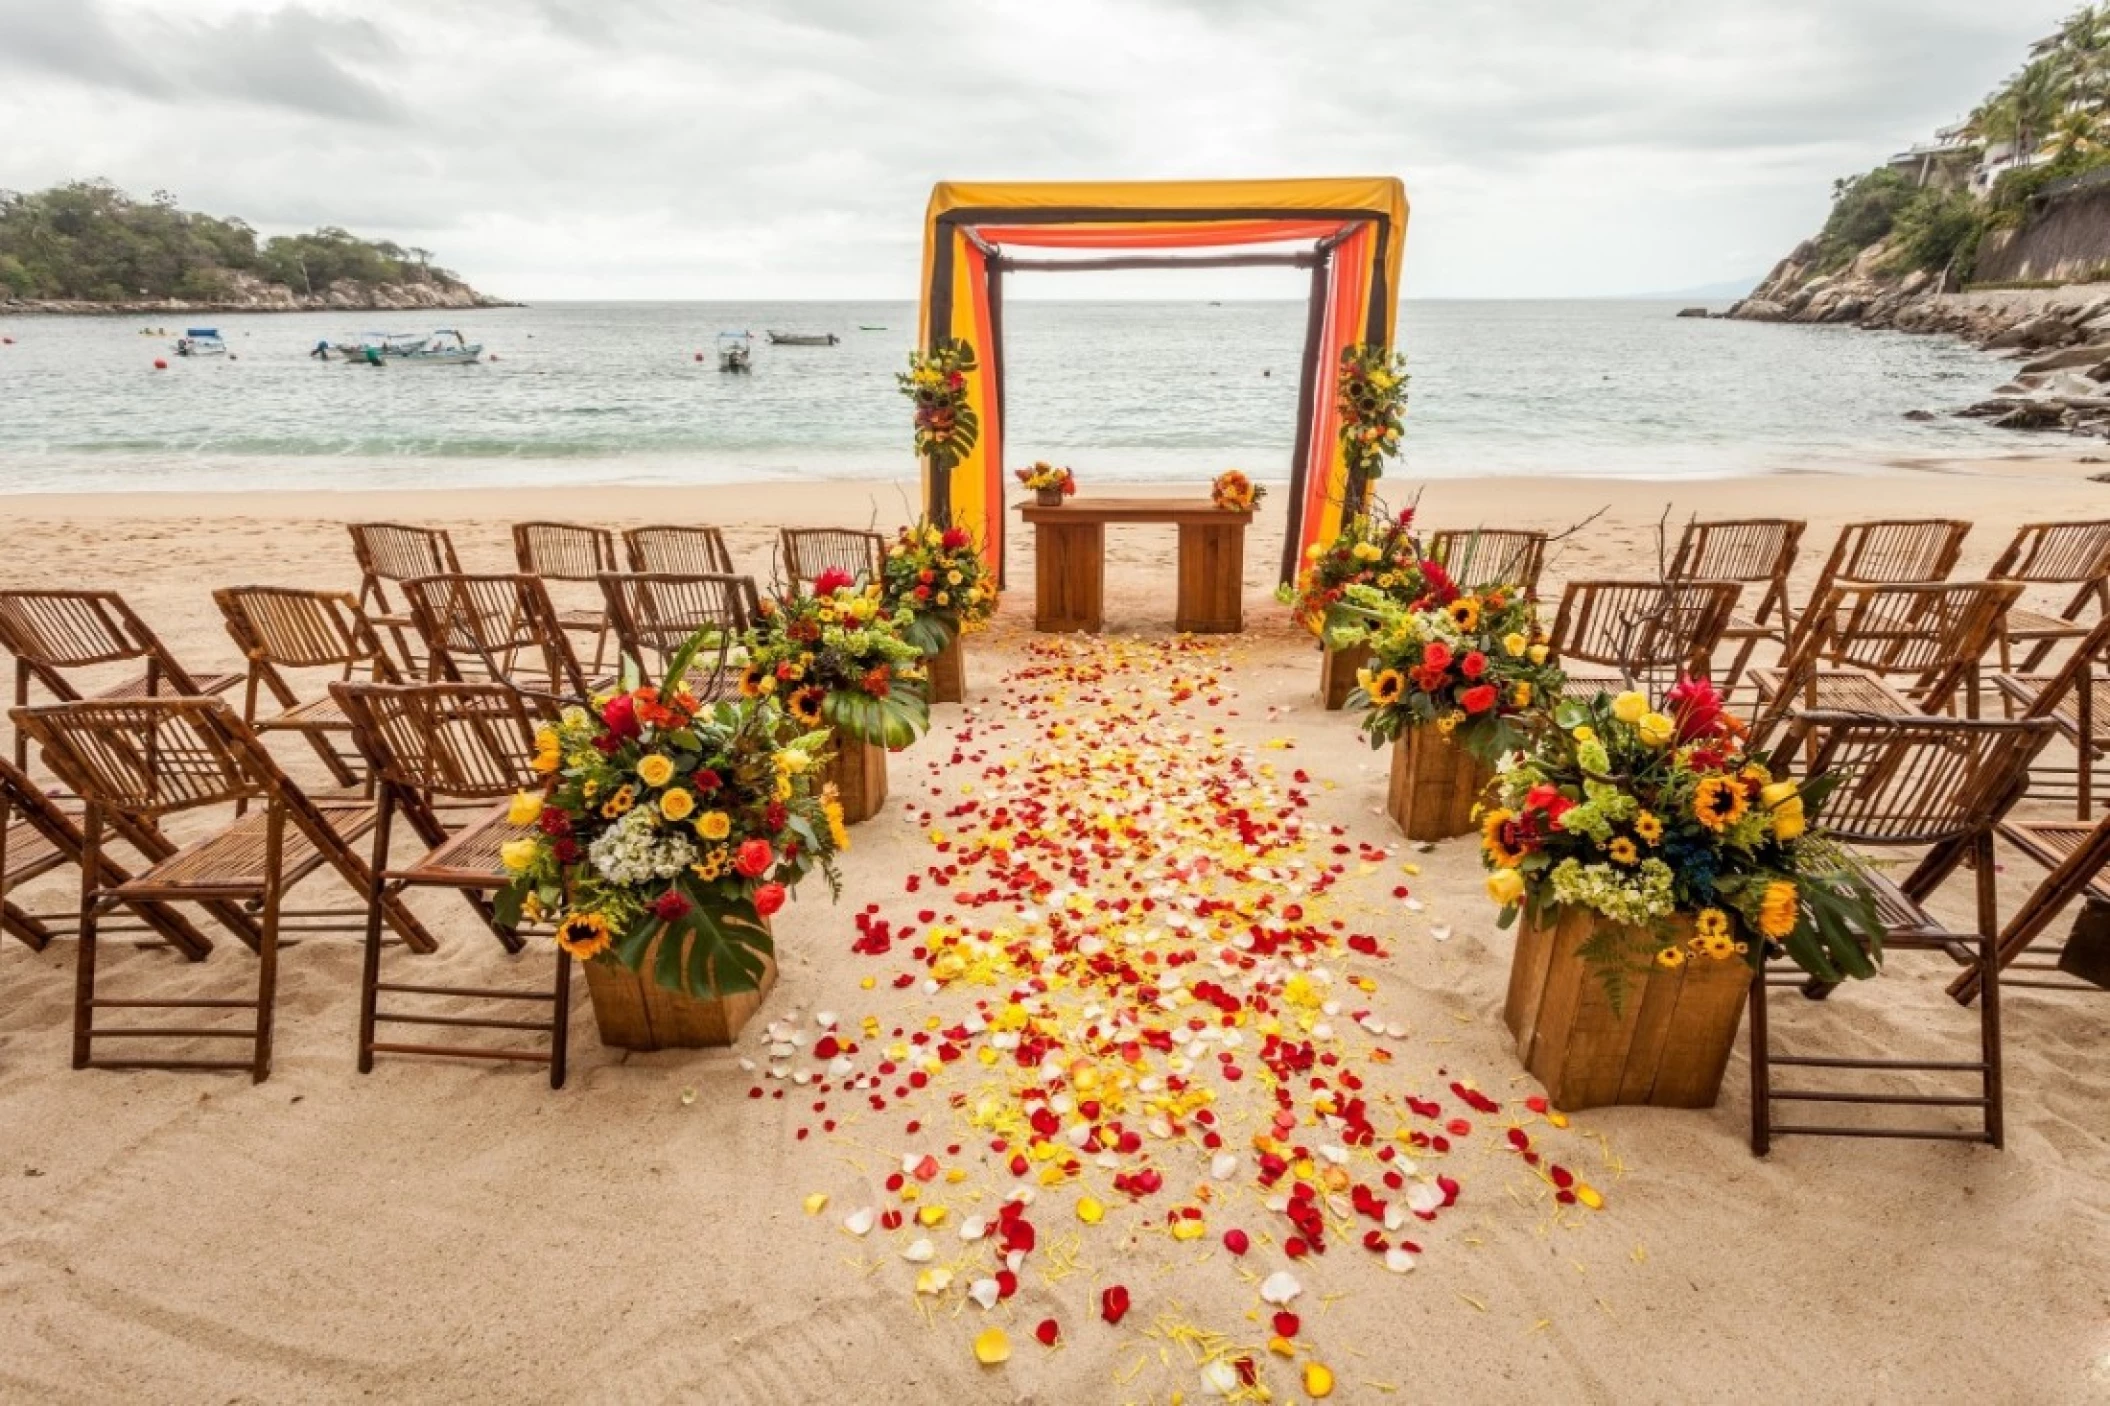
(2076, 133)
(2037, 96)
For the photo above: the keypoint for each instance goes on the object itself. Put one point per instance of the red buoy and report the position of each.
(699, 356)
(160, 365)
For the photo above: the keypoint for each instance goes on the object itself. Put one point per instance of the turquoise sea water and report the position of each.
(1123, 391)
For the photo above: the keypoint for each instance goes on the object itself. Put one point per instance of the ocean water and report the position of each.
(613, 393)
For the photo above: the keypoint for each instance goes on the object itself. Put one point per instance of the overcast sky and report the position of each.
(694, 149)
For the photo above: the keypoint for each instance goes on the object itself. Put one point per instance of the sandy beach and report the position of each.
(444, 1231)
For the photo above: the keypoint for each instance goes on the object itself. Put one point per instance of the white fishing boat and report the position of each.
(200, 341)
(439, 350)
(386, 343)
(735, 350)
(802, 339)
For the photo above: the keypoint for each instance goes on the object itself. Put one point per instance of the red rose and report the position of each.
(926, 576)
(775, 816)
(554, 821)
(769, 898)
(619, 716)
(957, 538)
(1479, 698)
(566, 850)
(707, 780)
(922, 593)
(1436, 655)
(670, 906)
(1473, 665)
(753, 859)
(832, 580)
(784, 672)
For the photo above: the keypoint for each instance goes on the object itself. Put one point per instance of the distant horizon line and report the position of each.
(530, 300)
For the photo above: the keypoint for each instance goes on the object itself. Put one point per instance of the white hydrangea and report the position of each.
(634, 851)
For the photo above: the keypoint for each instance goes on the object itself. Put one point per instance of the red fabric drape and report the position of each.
(1346, 307)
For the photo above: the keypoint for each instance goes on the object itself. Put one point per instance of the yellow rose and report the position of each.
(525, 810)
(1656, 730)
(1521, 696)
(547, 762)
(518, 856)
(1537, 653)
(1515, 645)
(714, 825)
(677, 805)
(1586, 733)
(656, 770)
(1506, 887)
(1783, 799)
(546, 740)
(1367, 551)
(1629, 708)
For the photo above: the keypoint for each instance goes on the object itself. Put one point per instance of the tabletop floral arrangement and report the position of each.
(936, 382)
(1473, 665)
(1234, 492)
(665, 818)
(938, 577)
(1371, 397)
(839, 657)
(1378, 551)
(1640, 814)
(1044, 477)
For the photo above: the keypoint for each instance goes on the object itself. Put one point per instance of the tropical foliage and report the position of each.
(666, 821)
(1639, 813)
(90, 240)
(1376, 551)
(839, 657)
(936, 381)
(1372, 394)
(936, 576)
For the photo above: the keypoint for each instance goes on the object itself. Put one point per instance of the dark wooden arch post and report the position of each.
(1307, 411)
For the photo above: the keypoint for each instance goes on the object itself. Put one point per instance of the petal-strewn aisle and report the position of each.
(1151, 1109)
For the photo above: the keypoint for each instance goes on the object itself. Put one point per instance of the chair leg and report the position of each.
(1989, 989)
(84, 956)
(1761, 1070)
(370, 962)
(560, 1021)
(267, 949)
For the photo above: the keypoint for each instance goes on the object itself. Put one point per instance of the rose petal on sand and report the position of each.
(920, 1252)
(860, 1222)
(992, 1347)
(1280, 1287)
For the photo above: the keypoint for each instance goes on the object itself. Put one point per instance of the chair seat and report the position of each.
(29, 854)
(2034, 625)
(2053, 843)
(232, 862)
(1587, 682)
(1743, 627)
(588, 619)
(1906, 922)
(1840, 691)
(2026, 689)
(469, 858)
(320, 715)
(138, 688)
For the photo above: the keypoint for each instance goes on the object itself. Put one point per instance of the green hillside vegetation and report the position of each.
(90, 241)
(2059, 103)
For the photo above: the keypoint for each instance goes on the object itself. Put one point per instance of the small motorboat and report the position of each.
(200, 341)
(803, 339)
(386, 343)
(871, 327)
(735, 350)
(437, 350)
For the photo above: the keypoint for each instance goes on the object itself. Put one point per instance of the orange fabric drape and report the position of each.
(1208, 235)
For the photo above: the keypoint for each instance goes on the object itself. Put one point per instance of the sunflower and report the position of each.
(751, 682)
(1710, 924)
(1649, 828)
(584, 935)
(1465, 612)
(1386, 688)
(806, 704)
(1721, 949)
(1671, 958)
(619, 803)
(1719, 802)
(1622, 850)
(1494, 839)
(712, 865)
(1779, 909)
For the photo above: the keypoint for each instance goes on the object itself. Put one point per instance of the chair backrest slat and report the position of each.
(564, 551)
(811, 551)
(1896, 551)
(459, 741)
(1737, 549)
(655, 614)
(1651, 631)
(1913, 781)
(395, 551)
(298, 629)
(681, 551)
(147, 757)
(2056, 553)
(494, 627)
(1491, 556)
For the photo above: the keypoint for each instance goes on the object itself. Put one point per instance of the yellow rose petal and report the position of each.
(992, 1347)
(816, 1203)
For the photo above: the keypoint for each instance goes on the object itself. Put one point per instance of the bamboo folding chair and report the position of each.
(1885, 650)
(1752, 552)
(2053, 554)
(1892, 552)
(279, 629)
(2076, 699)
(678, 551)
(394, 551)
(37, 838)
(1639, 634)
(500, 628)
(657, 613)
(145, 759)
(436, 748)
(2074, 855)
(1903, 784)
(58, 636)
(568, 551)
(810, 551)
(1491, 556)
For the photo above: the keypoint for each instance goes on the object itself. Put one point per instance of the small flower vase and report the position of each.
(1047, 497)
(634, 1012)
(858, 770)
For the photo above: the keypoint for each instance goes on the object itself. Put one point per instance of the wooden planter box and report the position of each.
(635, 1012)
(1667, 1045)
(858, 770)
(1435, 785)
(948, 672)
(1337, 669)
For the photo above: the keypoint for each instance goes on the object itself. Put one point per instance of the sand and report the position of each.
(441, 1231)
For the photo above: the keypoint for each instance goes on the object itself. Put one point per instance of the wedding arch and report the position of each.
(1352, 230)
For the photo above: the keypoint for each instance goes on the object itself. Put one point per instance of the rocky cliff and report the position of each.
(247, 293)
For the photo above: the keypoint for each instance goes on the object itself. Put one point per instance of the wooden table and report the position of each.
(1070, 561)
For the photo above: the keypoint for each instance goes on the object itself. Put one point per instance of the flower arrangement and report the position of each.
(936, 381)
(666, 820)
(938, 577)
(1470, 664)
(1380, 553)
(1235, 493)
(1043, 476)
(840, 657)
(1639, 814)
(1372, 398)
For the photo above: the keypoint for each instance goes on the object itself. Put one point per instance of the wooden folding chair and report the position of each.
(496, 628)
(1903, 784)
(57, 636)
(1610, 635)
(38, 837)
(394, 551)
(568, 551)
(281, 629)
(2074, 855)
(1885, 650)
(1753, 552)
(1892, 552)
(1491, 556)
(2054, 554)
(2076, 699)
(436, 748)
(144, 759)
(678, 551)
(810, 551)
(656, 613)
